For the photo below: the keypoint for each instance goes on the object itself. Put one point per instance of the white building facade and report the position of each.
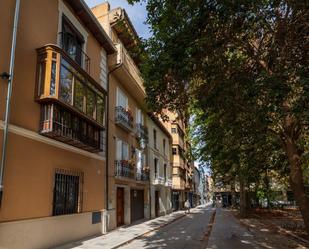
(159, 160)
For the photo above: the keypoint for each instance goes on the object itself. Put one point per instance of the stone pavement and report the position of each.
(123, 235)
(185, 233)
(228, 233)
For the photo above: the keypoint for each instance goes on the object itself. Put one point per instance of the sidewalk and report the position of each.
(123, 235)
(229, 233)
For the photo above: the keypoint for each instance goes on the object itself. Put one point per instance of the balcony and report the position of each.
(158, 180)
(143, 175)
(123, 118)
(141, 132)
(69, 44)
(124, 168)
(72, 102)
(128, 73)
(65, 126)
(168, 182)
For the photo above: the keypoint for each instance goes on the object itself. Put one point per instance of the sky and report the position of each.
(137, 14)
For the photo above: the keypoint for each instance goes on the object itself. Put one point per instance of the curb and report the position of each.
(210, 226)
(149, 231)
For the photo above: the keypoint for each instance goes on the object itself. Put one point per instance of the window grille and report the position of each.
(67, 192)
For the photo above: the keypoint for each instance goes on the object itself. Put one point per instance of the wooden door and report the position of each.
(120, 206)
(157, 204)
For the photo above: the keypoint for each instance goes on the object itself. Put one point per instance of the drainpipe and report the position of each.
(8, 76)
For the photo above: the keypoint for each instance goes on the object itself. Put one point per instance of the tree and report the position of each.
(204, 52)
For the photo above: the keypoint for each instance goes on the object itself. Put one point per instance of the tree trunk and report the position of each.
(296, 179)
(243, 199)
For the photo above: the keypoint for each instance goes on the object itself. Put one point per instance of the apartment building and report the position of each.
(196, 187)
(159, 155)
(54, 174)
(176, 127)
(128, 172)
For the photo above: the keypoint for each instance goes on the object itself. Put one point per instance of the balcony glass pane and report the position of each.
(90, 103)
(42, 70)
(53, 79)
(100, 109)
(80, 95)
(66, 81)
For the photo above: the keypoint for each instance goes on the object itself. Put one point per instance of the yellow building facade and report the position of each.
(54, 175)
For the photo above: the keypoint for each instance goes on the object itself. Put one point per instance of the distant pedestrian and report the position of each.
(187, 206)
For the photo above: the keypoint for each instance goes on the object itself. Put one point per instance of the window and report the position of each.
(165, 171)
(72, 40)
(154, 138)
(80, 95)
(164, 146)
(100, 109)
(156, 167)
(122, 150)
(174, 151)
(66, 82)
(122, 99)
(91, 103)
(67, 192)
(174, 130)
(139, 116)
(86, 98)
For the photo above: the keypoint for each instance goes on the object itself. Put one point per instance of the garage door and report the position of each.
(137, 204)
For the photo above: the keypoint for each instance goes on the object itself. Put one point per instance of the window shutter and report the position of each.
(118, 149)
(125, 151)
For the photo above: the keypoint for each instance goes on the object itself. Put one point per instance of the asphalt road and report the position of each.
(185, 233)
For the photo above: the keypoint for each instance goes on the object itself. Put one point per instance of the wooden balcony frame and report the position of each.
(51, 58)
(51, 55)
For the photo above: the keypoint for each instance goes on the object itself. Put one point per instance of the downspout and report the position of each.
(9, 76)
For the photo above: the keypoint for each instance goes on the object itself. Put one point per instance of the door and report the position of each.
(157, 204)
(137, 204)
(175, 200)
(120, 206)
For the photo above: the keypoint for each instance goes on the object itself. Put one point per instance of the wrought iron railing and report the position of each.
(143, 175)
(59, 123)
(141, 131)
(158, 179)
(168, 182)
(74, 50)
(124, 169)
(123, 117)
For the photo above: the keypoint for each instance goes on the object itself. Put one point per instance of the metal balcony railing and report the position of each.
(158, 179)
(124, 169)
(69, 44)
(168, 182)
(142, 175)
(141, 132)
(63, 125)
(123, 118)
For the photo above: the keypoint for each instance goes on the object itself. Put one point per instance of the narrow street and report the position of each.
(187, 232)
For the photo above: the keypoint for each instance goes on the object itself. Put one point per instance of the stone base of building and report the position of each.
(51, 231)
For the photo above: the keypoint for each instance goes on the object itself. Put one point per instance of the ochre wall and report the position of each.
(29, 178)
(30, 165)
